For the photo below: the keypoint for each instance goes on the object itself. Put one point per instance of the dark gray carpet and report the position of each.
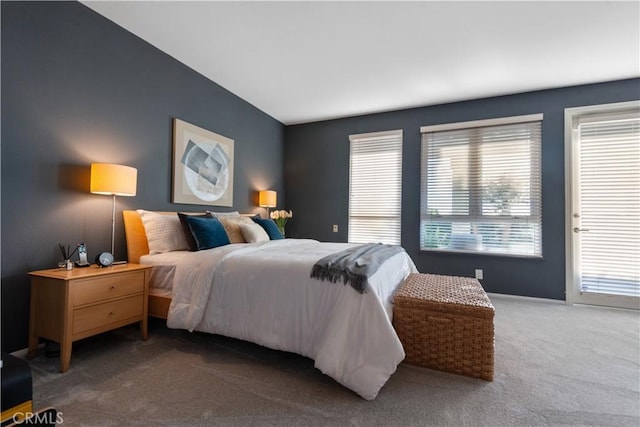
(555, 365)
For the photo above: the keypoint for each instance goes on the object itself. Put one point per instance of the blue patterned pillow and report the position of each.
(270, 227)
(207, 232)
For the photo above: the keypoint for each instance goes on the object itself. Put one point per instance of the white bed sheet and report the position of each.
(263, 293)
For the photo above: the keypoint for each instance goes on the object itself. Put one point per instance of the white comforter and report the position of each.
(263, 293)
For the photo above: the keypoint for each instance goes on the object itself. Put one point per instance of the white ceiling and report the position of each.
(307, 61)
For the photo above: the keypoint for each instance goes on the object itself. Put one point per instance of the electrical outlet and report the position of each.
(335, 228)
(479, 274)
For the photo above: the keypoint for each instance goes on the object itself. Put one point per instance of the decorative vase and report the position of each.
(281, 230)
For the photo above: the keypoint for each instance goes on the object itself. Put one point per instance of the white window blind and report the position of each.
(375, 187)
(481, 187)
(609, 203)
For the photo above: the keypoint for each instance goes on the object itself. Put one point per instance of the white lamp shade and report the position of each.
(113, 179)
(267, 199)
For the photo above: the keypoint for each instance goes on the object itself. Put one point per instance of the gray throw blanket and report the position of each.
(354, 265)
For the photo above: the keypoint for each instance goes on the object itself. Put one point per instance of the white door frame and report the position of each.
(573, 295)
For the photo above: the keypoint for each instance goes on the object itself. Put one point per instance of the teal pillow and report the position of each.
(207, 232)
(269, 226)
(187, 230)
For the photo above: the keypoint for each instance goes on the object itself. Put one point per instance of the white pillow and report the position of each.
(253, 233)
(164, 232)
(223, 214)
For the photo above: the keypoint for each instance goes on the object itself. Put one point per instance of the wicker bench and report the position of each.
(446, 323)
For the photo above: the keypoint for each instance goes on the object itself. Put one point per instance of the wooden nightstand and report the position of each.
(68, 305)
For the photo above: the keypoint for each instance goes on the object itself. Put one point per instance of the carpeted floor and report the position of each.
(555, 365)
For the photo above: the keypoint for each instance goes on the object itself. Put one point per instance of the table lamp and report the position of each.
(113, 180)
(267, 199)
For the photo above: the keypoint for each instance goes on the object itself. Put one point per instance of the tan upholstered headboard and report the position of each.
(137, 244)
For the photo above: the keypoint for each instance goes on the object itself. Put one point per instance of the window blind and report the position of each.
(375, 187)
(481, 187)
(609, 203)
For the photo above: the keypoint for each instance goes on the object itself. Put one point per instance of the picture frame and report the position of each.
(202, 166)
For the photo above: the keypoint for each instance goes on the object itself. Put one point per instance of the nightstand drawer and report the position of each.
(99, 315)
(107, 287)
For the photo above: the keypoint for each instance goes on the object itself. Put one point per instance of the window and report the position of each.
(481, 187)
(375, 187)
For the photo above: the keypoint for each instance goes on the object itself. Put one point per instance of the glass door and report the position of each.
(603, 205)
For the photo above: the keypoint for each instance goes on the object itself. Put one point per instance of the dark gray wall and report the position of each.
(317, 181)
(78, 89)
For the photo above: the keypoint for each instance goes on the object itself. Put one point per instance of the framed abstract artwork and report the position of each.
(202, 166)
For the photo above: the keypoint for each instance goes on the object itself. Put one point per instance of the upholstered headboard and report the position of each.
(137, 244)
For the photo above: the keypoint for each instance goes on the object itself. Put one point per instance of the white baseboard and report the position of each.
(553, 301)
(22, 353)
(523, 298)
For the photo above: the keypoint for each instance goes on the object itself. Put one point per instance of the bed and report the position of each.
(262, 292)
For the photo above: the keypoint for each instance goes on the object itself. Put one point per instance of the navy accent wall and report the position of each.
(78, 89)
(317, 181)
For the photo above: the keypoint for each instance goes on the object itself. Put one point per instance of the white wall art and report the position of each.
(202, 166)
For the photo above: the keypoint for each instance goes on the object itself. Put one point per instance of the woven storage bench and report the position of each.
(446, 323)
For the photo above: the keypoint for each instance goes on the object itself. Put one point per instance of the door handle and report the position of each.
(578, 230)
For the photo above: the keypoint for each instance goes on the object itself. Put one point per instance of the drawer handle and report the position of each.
(111, 313)
(113, 287)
